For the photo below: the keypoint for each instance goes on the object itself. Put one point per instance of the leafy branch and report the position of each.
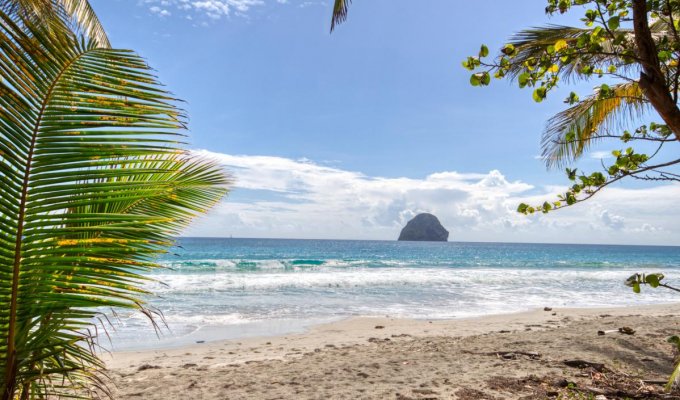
(627, 163)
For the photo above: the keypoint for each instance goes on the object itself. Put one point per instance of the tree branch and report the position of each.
(604, 21)
(608, 136)
(652, 79)
(618, 178)
(660, 178)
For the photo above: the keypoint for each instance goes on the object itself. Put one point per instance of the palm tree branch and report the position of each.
(532, 44)
(83, 12)
(340, 8)
(11, 367)
(572, 131)
(94, 186)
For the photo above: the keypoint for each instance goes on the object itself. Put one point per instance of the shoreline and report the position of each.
(254, 330)
(351, 344)
(352, 324)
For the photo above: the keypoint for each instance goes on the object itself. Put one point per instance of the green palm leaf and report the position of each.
(83, 12)
(94, 185)
(531, 43)
(572, 131)
(339, 12)
(80, 10)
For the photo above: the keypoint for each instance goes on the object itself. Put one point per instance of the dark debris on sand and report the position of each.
(592, 384)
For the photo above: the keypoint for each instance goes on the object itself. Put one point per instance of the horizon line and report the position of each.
(413, 241)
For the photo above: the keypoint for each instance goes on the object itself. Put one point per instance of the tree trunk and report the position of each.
(652, 80)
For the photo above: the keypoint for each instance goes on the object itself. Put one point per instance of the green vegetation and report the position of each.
(94, 185)
(339, 12)
(632, 48)
(80, 10)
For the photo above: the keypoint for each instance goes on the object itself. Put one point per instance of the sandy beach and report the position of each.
(546, 353)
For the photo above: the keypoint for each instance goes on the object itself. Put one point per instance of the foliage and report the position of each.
(95, 184)
(653, 280)
(339, 12)
(81, 10)
(634, 54)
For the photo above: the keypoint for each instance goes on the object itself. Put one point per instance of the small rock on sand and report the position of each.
(144, 367)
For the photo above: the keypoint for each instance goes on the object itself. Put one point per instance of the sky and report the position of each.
(349, 135)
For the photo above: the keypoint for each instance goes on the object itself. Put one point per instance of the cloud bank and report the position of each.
(281, 197)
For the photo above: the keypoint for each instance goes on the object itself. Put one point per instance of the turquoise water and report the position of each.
(230, 288)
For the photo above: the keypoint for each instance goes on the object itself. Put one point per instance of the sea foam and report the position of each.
(235, 287)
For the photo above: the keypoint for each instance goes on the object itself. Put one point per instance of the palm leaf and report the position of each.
(95, 184)
(82, 11)
(572, 131)
(79, 10)
(532, 43)
(339, 12)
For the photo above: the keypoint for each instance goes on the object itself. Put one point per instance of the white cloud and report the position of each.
(601, 155)
(281, 197)
(612, 221)
(212, 9)
(160, 11)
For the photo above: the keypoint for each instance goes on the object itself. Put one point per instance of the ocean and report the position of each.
(233, 288)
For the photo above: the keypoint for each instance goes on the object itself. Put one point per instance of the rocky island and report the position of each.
(424, 228)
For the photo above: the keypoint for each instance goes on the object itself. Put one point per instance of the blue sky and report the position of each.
(348, 135)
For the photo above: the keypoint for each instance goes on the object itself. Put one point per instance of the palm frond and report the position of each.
(80, 11)
(94, 185)
(340, 8)
(572, 131)
(83, 12)
(532, 43)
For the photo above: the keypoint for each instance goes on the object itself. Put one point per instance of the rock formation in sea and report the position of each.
(424, 228)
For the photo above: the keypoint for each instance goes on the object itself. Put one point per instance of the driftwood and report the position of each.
(625, 330)
(654, 382)
(508, 355)
(599, 367)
